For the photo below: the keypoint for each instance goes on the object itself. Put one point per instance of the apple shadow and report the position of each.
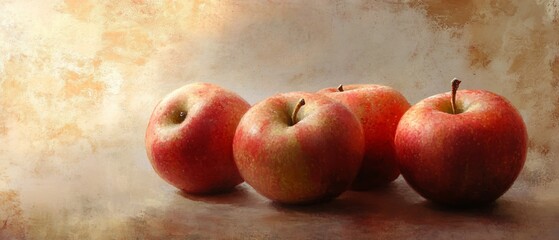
(238, 196)
(501, 211)
(386, 199)
(486, 208)
(336, 206)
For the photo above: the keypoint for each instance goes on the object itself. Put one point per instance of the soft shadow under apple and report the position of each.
(241, 195)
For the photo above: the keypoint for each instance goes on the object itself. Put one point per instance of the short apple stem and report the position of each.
(455, 83)
(341, 88)
(296, 110)
(178, 117)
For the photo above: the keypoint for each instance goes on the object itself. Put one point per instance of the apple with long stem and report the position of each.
(189, 138)
(379, 109)
(299, 148)
(461, 148)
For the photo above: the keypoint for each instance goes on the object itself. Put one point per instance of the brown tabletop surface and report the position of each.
(394, 212)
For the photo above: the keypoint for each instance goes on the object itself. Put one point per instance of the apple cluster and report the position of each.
(457, 148)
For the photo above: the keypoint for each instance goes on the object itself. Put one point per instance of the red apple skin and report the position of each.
(379, 109)
(463, 159)
(196, 155)
(314, 160)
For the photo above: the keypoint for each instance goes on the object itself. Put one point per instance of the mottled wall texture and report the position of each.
(79, 78)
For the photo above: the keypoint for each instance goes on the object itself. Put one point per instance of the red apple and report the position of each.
(379, 109)
(189, 138)
(298, 154)
(463, 152)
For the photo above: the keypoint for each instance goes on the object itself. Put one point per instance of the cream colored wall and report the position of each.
(78, 81)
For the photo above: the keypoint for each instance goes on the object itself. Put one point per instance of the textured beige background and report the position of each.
(78, 81)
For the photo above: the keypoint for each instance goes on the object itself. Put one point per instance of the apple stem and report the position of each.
(455, 83)
(341, 88)
(296, 110)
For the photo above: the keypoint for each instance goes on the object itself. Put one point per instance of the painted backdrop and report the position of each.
(79, 78)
